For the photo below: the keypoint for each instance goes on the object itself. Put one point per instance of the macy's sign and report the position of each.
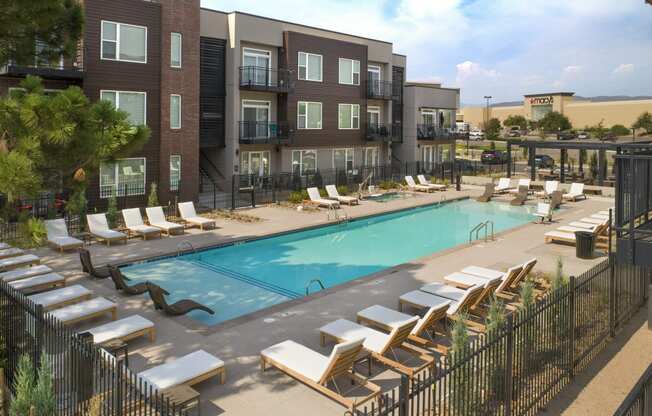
(541, 100)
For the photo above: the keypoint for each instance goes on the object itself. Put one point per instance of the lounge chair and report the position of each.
(590, 226)
(419, 299)
(412, 186)
(600, 217)
(315, 198)
(120, 283)
(124, 329)
(98, 227)
(58, 298)
(334, 194)
(544, 211)
(11, 252)
(507, 281)
(504, 185)
(188, 370)
(525, 268)
(379, 344)
(156, 218)
(135, 224)
(561, 236)
(25, 260)
(521, 182)
(595, 220)
(423, 181)
(189, 215)
(88, 267)
(487, 194)
(520, 197)
(83, 311)
(316, 370)
(58, 236)
(576, 191)
(39, 283)
(181, 307)
(18, 274)
(548, 188)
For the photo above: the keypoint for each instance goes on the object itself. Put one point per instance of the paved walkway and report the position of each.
(251, 392)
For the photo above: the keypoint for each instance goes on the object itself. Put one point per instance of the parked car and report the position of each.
(493, 157)
(582, 135)
(566, 135)
(476, 135)
(514, 133)
(544, 161)
(610, 137)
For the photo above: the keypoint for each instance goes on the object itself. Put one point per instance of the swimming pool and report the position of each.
(243, 278)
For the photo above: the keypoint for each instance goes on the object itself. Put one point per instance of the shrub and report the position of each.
(44, 400)
(152, 199)
(593, 165)
(32, 232)
(298, 197)
(112, 212)
(24, 388)
(554, 122)
(620, 130)
(644, 121)
(386, 185)
(343, 190)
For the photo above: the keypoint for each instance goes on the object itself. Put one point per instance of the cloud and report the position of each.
(573, 69)
(468, 69)
(624, 69)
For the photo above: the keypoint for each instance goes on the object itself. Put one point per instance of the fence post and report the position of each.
(403, 396)
(509, 364)
(571, 324)
(38, 328)
(612, 297)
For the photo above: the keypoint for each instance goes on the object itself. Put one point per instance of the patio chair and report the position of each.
(188, 370)
(487, 194)
(11, 252)
(521, 197)
(120, 282)
(316, 370)
(423, 181)
(59, 298)
(86, 310)
(23, 273)
(521, 182)
(504, 185)
(525, 269)
(468, 300)
(182, 307)
(315, 198)
(568, 237)
(379, 344)
(412, 186)
(124, 329)
(11, 263)
(88, 267)
(58, 236)
(543, 212)
(548, 188)
(189, 215)
(98, 227)
(156, 218)
(39, 283)
(135, 224)
(332, 192)
(576, 191)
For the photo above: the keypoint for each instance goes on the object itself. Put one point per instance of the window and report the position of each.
(255, 163)
(256, 65)
(310, 67)
(373, 117)
(349, 116)
(304, 161)
(374, 76)
(175, 49)
(175, 172)
(371, 156)
(349, 71)
(175, 111)
(123, 177)
(123, 42)
(343, 159)
(255, 119)
(309, 115)
(133, 103)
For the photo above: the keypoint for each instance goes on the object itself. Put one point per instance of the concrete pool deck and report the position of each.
(248, 391)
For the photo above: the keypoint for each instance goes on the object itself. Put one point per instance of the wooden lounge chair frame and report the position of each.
(150, 332)
(88, 267)
(487, 194)
(42, 287)
(68, 302)
(601, 240)
(113, 310)
(182, 307)
(119, 280)
(341, 366)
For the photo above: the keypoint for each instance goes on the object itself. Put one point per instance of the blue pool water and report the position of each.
(246, 277)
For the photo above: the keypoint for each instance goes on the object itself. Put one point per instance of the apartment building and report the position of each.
(234, 93)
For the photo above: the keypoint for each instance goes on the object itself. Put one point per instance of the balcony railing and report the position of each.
(384, 132)
(261, 78)
(380, 90)
(264, 132)
(63, 68)
(432, 132)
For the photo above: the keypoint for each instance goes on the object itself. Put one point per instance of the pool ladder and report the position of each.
(334, 215)
(185, 243)
(483, 226)
(311, 282)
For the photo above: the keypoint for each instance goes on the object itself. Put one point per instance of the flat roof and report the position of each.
(567, 94)
(429, 85)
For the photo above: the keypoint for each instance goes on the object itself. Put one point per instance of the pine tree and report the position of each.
(152, 199)
(23, 387)
(44, 400)
(112, 211)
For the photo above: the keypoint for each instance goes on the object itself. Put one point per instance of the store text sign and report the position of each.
(541, 100)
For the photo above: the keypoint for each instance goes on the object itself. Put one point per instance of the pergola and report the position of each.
(564, 146)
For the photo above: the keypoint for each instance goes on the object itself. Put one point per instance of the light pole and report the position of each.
(486, 121)
(633, 135)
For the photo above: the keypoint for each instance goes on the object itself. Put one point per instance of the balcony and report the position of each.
(264, 132)
(258, 78)
(432, 132)
(384, 132)
(380, 90)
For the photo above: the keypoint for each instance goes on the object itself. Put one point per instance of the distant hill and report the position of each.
(597, 98)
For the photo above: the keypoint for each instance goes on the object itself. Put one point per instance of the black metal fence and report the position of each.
(639, 401)
(519, 368)
(84, 374)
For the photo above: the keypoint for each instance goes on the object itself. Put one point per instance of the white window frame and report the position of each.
(257, 104)
(180, 112)
(117, 42)
(104, 195)
(262, 171)
(321, 115)
(172, 35)
(353, 72)
(257, 52)
(353, 117)
(347, 151)
(117, 99)
(301, 152)
(175, 187)
(376, 69)
(375, 156)
(321, 69)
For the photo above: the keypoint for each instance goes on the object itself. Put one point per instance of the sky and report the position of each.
(502, 48)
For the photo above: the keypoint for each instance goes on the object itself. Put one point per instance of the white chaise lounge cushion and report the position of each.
(17, 274)
(483, 272)
(181, 370)
(65, 241)
(332, 192)
(17, 261)
(446, 291)
(576, 189)
(503, 184)
(58, 234)
(156, 218)
(313, 194)
(426, 300)
(375, 341)
(581, 224)
(394, 319)
(411, 184)
(572, 228)
(134, 222)
(423, 181)
(120, 328)
(560, 235)
(188, 213)
(469, 280)
(79, 310)
(64, 294)
(41, 279)
(11, 252)
(98, 226)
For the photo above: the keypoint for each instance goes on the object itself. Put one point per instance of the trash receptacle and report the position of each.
(584, 244)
